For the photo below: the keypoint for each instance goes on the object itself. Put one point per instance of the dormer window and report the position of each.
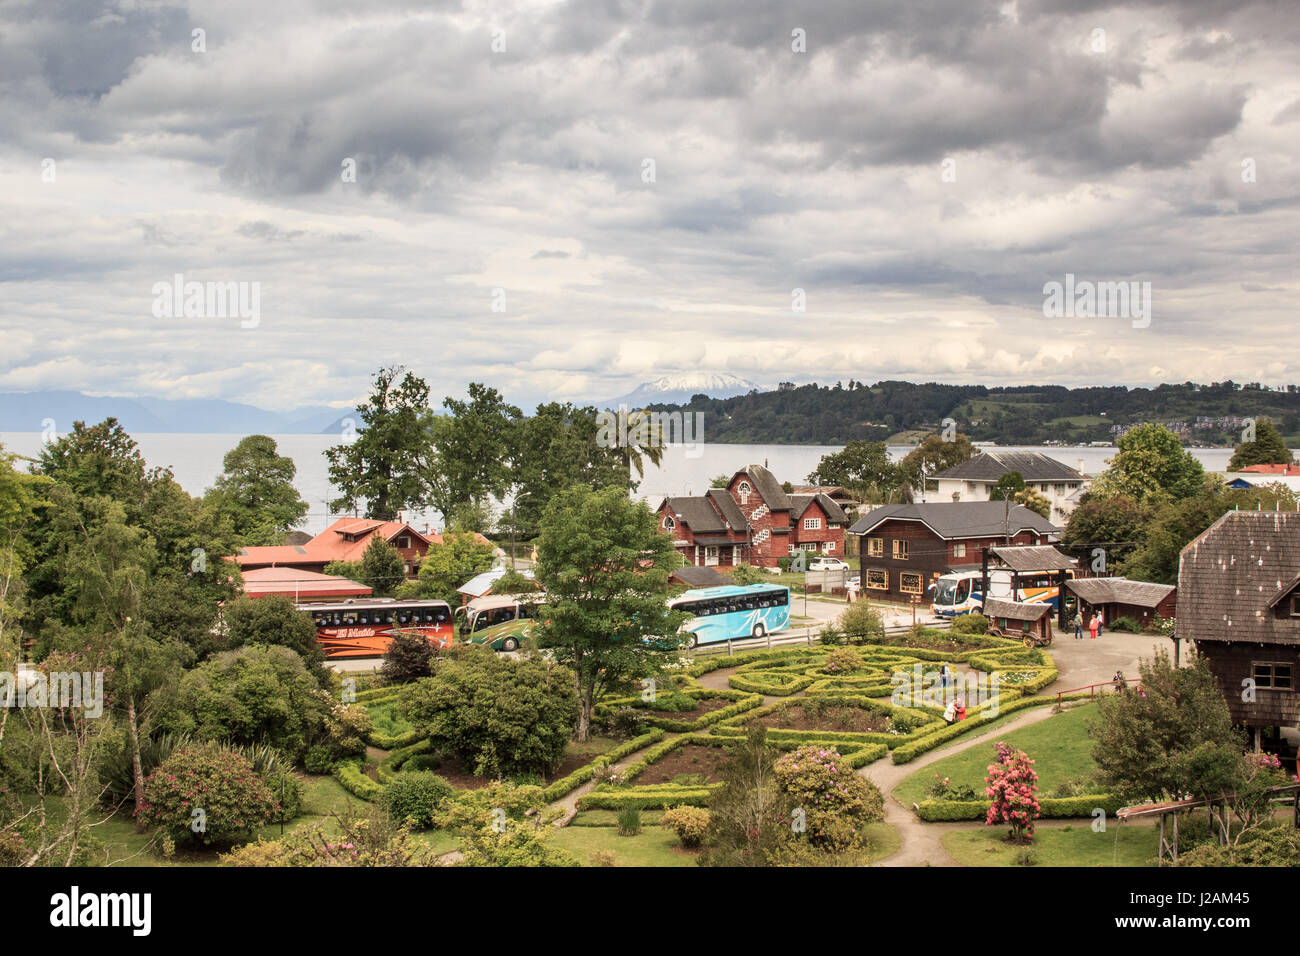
(669, 523)
(1295, 605)
(744, 490)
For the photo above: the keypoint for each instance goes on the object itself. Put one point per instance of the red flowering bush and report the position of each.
(207, 793)
(836, 801)
(1013, 787)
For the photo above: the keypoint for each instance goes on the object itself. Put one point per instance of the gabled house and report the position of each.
(1119, 597)
(752, 521)
(973, 479)
(1239, 603)
(903, 548)
(345, 540)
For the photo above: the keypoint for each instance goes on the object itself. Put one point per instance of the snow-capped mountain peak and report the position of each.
(678, 388)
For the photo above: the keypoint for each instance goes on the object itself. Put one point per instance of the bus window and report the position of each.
(349, 617)
(388, 617)
(403, 617)
(441, 615)
(963, 591)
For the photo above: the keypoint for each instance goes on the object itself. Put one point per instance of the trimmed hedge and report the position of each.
(384, 742)
(743, 702)
(1051, 808)
(573, 781)
(735, 728)
(646, 798)
(348, 773)
(392, 764)
(911, 751)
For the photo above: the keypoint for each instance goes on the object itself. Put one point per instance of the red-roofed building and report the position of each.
(1271, 469)
(345, 540)
(301, 586)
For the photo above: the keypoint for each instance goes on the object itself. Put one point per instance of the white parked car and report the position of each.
(828, 564)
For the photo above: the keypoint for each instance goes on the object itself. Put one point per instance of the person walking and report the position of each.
(1101, 620)
(1093, 626)
(945, 678)
(1078, 625)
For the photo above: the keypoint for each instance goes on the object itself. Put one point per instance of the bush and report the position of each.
(1130, 625)
(784, 562)
(272, 620)
(1012, 787)
(942, 788)
(672, 702)
(416, 797)
(206, 794)
(862, 624)
(286, 789)
(514, 844)
(843, 660)
(348, 774)
(469, 810)
(689, 823)
(421, 762)
(499, 716)
(837, 802)
(320, 759)
(629, 821)
(831, 635)
(408, 658)
(970, 624)
(621, 723)
(1266, 846)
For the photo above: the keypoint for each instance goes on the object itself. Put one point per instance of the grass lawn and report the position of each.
(653, 846)
(387, 722)
(1129, 844)
(659, 846)
(1060, 747)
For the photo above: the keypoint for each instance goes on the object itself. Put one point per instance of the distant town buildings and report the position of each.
(973, 479)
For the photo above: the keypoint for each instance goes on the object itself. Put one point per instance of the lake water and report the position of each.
(195, 460)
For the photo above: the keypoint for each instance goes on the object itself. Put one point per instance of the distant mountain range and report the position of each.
(680, 389)
(27, 412)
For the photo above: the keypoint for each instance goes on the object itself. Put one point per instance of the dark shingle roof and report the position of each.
(992, 465)
(699, 577)
(1229, 577)
(1014, 610)
(800, 503)
(726, 504)
(768, 487)
(697, 514)
(1039, 557)
(1119, 591)
(959, 519)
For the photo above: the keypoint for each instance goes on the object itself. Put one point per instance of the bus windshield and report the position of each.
(944, 591)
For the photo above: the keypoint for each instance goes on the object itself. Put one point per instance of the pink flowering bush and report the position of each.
(232, 798)
(837, 802)
(1013, 787)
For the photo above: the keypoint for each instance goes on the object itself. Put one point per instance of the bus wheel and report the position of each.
(760, 630)
(694, 641)
(510, 644)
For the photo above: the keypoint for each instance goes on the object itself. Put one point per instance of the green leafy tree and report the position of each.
(1140, 739)
(249, 695)
(558, 448)
(605, 566)
(255, 490)
(1151, 464)
(1113, 524)
(1034, 501)
(387, 467)
(863, 468)
(747, 574)
(932, 456)
(475, 444)
(721, 481)
(750, 815)
(409, 657)
(1268, 448)
(450, 563)
(272, 620)
(1008, 486)
(498, 715)
(382, 567)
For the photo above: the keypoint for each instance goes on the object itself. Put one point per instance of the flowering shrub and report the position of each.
(415, 796)
(689, 823)
(208, 794)
(836, 801)
(843, 660)
(1013, 787)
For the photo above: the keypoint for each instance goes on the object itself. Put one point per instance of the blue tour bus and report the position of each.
(733, 612)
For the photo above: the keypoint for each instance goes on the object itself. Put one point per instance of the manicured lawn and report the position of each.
(659, 846)
(1060, 747)
(1129, 844)
(653, 846)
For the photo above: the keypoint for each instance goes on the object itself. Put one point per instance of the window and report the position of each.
(901, 549)
(744, 490)
(909, 582)
(959, 550)
(403, 542)
(812, 524)
(875, 547)
(669, 523)
(877, 579)
(830, 546)
(1295, 605)
(1270, 676)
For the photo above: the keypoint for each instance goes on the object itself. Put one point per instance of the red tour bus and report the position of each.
(362, 627)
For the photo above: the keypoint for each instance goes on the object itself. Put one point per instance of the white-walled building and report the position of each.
(973, 479)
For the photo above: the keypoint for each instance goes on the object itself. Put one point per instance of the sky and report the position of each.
(566, 199)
